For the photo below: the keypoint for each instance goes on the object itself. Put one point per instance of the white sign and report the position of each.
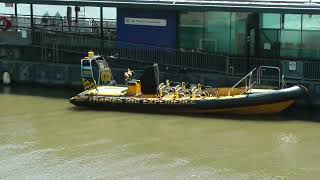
(23, 33)
(267, 46)
(292, 66)
(145, 21)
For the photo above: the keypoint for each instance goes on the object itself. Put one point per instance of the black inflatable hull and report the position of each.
(255, 103)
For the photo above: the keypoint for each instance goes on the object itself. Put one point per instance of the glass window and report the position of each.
(51, 10)
(24, 9)
(292, 21)
(238, 33)
(49, 15)
(109, 13)
(310, 47)
(6, 9)
(269, 43)
(216, 32)
(311, 22)
(290, 43)
(23, 20)
(271, 21)
(190, 30)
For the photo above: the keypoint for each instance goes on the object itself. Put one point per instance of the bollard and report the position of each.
(6, 78)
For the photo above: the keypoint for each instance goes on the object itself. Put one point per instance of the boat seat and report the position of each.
(168, 96)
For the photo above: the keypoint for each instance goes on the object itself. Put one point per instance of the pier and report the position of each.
(215, 47)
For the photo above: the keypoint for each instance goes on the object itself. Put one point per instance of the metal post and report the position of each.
(101, 23)
(230, 33)
(69, 17)
(32, 23)
(76, 11)
(203, 30)
(15, 10)
(301, 28)
(101, 30)
(16, 15)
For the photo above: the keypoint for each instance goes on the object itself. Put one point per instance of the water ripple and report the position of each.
(289, 138)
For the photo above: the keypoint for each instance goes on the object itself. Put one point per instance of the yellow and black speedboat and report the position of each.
(147, 94)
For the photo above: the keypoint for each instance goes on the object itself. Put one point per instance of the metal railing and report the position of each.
(248, 83)
(131, 51)
(262, 68)
(239, 66)
(89, 26)
(58, 42)
(311, 71)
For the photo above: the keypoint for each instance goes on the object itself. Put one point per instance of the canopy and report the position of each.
(287, 6)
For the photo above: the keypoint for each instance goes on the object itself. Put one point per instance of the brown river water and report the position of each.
(43, 136)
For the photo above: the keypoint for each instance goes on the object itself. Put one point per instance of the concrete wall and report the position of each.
(15, 38)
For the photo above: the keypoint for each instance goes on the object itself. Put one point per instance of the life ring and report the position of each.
(6, 23)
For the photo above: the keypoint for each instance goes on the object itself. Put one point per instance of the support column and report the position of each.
(101, 23)
(77, 9)
(101, 31)
(16, 15)
(32, 23)
(15, 10)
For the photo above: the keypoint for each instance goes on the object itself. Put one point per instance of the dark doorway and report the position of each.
(252, 37)
(252, 34)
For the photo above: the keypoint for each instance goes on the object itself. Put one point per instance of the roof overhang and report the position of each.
(277, 6)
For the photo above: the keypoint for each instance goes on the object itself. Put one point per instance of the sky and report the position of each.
(90, 12)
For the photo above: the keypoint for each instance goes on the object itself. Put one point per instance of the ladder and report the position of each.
(249, 82)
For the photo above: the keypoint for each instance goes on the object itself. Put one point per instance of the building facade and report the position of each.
(264, 35)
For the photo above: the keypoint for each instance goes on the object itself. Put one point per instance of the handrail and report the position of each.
(244, 78)
(283, 83)
(268, 67)
(232, 70)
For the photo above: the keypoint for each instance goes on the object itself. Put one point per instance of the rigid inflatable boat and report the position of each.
(147, 94)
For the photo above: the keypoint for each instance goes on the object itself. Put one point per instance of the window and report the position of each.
(238, 33)
(213, 32)
(6, 10)
(208, 31)
(310, 22)
(190, 30)
(269, 40)
(290, 43)
(271, 21)
(217, 32)
(292, 21)
(310, 47)
(291, 36)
